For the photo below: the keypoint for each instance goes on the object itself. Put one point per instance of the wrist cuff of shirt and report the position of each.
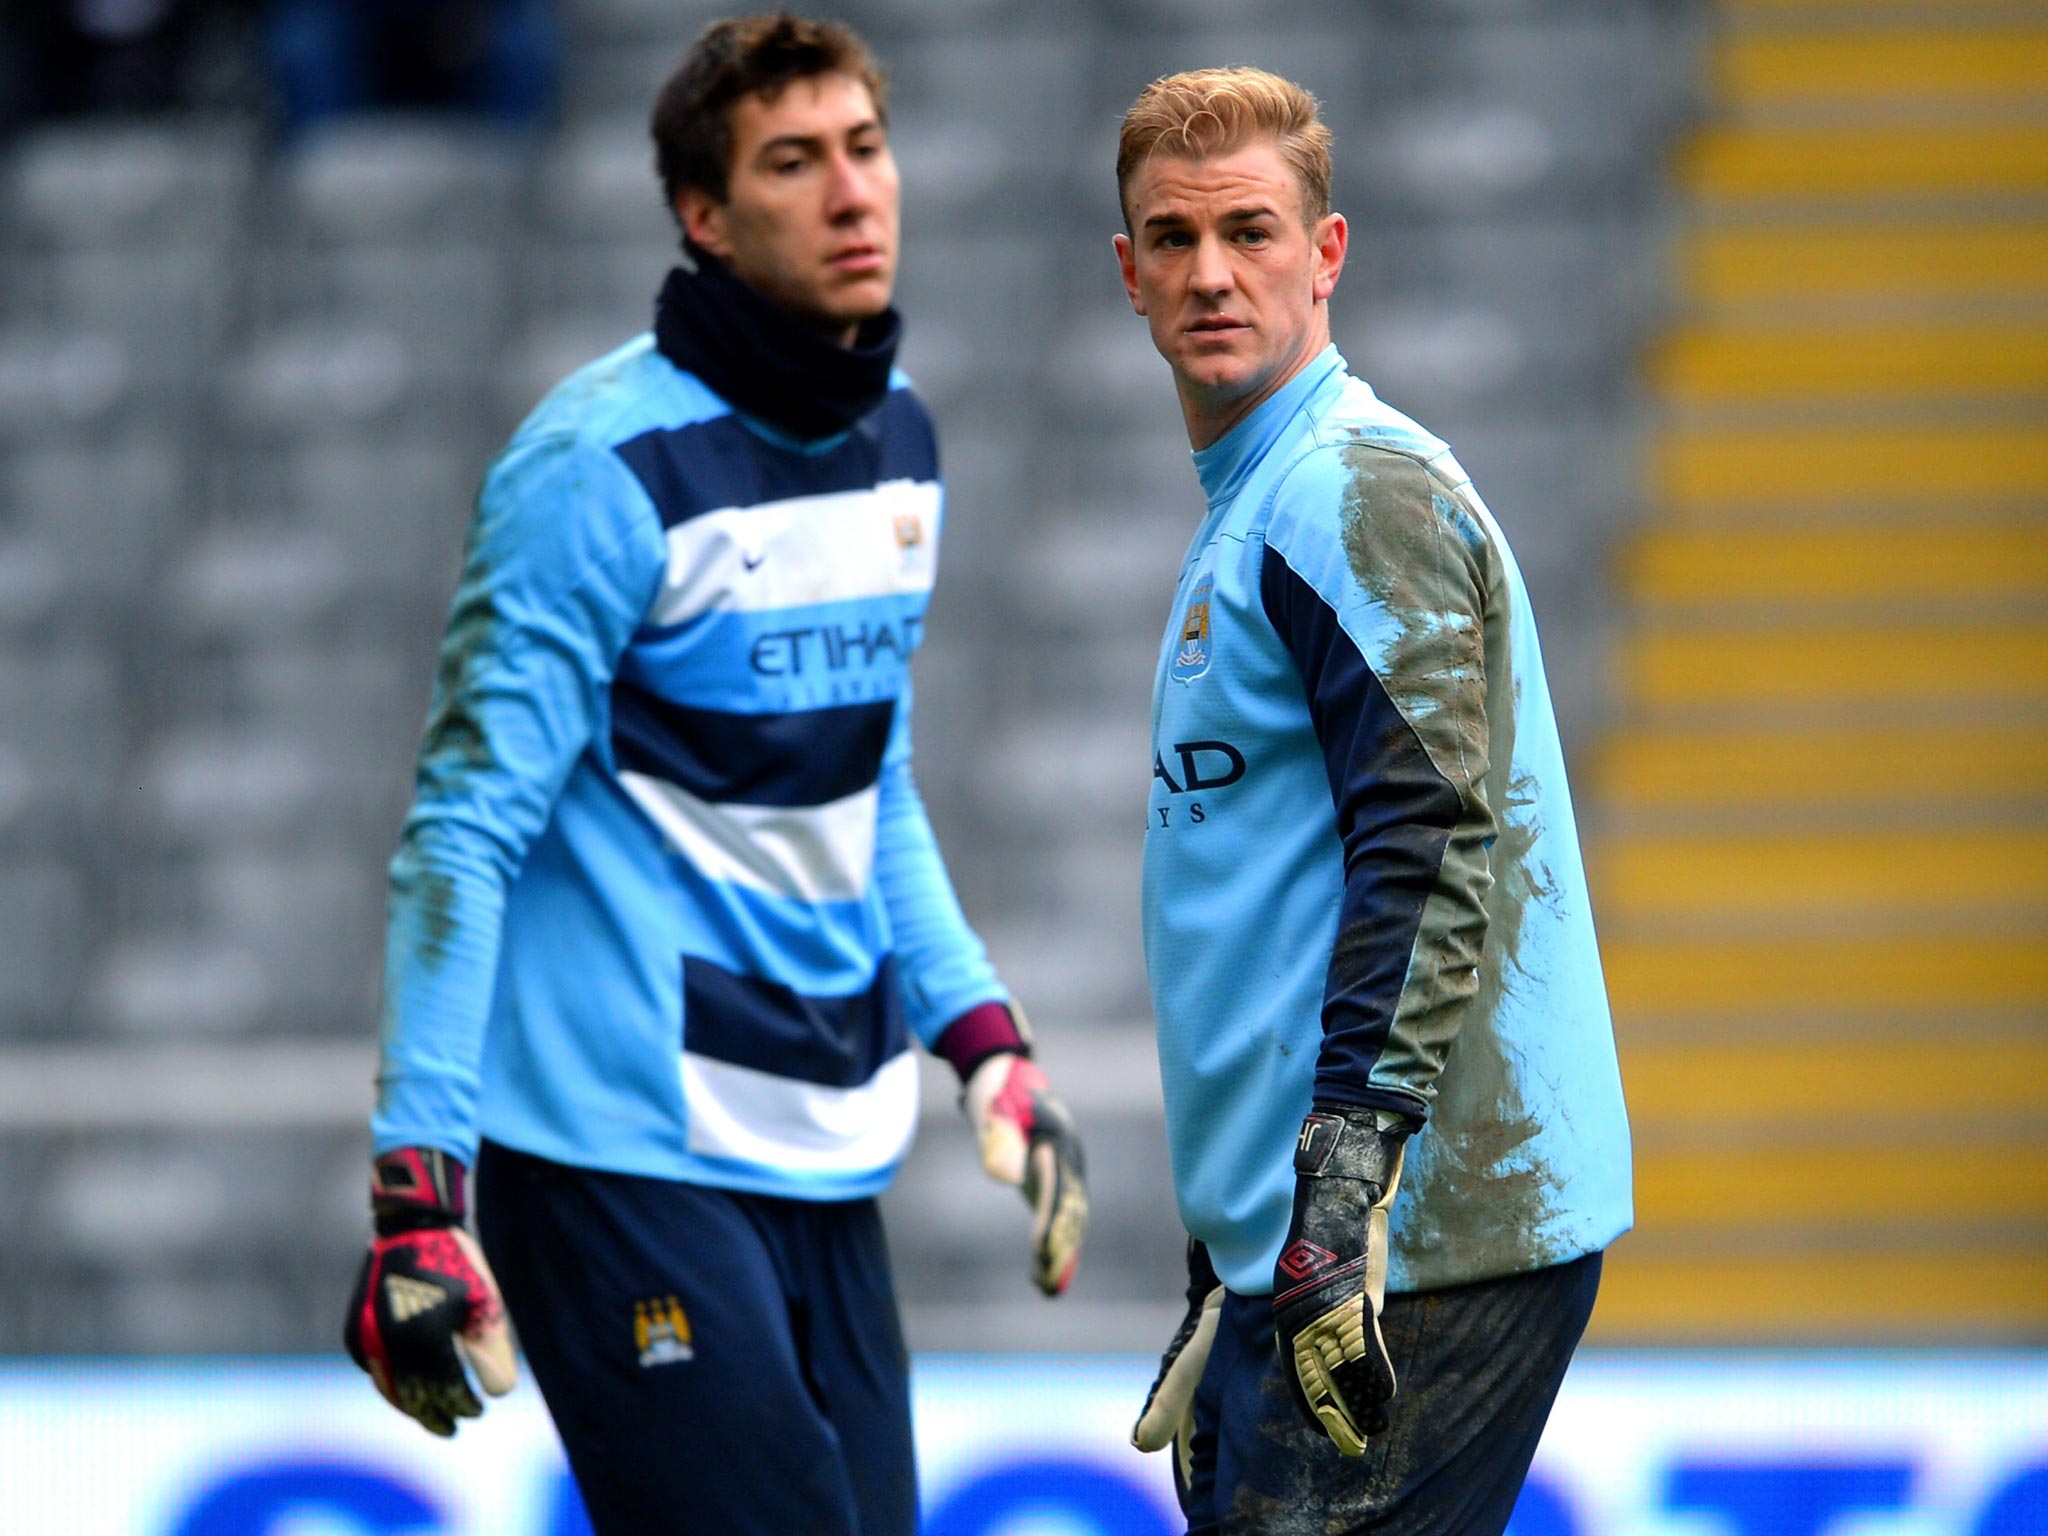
(985, 1030)
(1336, 1095)
(412, 1188)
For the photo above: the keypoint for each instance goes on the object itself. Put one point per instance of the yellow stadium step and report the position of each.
(1980, 65)
(1724, 265)
(1941, 464)
(1770, 13)
(1704, 981)
(1691, 770)
(1718, 1087)
(1887, 162)
(1777, 877)
(1943, 1290)
(1711, 365)
(1987, 561)
(1931, 664)
(1828, 1188)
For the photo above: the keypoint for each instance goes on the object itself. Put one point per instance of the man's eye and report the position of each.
(788, 167)
(1173, 241)
(1252, 236)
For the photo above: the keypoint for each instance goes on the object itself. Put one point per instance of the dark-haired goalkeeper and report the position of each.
(667, 919)
(1395, 1120)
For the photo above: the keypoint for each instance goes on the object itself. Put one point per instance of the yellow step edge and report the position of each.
(1947, 664)
(1714, 469)
(1876, 11)
(1728, 979)
(1735, 164)
(1702, 770)
(1980, 63)
(1751, 264)
(1838, 874)
(1835, 1186)
(1698, 365)
(1937, 1292)
(1715, 1088)
(1985, 561)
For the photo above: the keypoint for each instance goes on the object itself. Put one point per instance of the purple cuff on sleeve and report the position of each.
(985, 1030)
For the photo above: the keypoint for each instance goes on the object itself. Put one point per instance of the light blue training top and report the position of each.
(1362, 876)
(667, 902)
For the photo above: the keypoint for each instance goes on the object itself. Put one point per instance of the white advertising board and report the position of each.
(1640, 1445)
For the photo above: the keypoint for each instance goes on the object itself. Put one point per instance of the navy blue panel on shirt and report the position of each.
(805, 757)
(710, 465)
(1395, 813)
(834, 1042)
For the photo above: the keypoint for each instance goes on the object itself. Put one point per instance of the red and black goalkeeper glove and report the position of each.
(1027, 1137)
(425, 1300)
(1331, 1278)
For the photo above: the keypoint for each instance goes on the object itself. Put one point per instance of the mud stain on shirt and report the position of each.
(456, 745)
(1409, 560)
(1416, 550)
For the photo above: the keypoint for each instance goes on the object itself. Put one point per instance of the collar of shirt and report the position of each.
(1224, 465)
(764, 361)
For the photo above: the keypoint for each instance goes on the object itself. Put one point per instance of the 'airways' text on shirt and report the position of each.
(833, 647)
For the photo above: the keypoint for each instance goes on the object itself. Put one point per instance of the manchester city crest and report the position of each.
(661, 1331)
(1191, 656)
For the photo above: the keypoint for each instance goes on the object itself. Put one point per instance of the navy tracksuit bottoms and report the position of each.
(717, 1364)
(1477, 1366)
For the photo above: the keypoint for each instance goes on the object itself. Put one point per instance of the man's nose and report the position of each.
(1210, 271)
(850, 189)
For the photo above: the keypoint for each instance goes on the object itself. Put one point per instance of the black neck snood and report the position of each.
(765, 361)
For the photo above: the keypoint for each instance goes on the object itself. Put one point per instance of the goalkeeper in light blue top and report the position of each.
(1392, 1101)
(667, 920)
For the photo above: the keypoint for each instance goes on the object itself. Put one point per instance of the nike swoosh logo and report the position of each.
(753, 562)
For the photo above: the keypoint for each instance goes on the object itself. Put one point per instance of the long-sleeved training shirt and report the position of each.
(667, 902)
(1362, 876)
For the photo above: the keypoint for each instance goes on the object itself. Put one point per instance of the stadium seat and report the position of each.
(87, 185)
(43, 936)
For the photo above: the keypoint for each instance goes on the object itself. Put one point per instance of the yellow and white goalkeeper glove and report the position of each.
(1027, 1137)
(1331, 1279)
(1168, 1417)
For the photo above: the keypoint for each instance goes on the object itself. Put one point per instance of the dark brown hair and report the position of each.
(733, 59)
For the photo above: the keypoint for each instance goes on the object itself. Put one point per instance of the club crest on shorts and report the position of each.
(1191, 659)
(661, 1331)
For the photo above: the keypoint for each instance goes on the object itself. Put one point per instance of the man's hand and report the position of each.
(425, 1300)
(1331, 1279)
(1168, 1416)
(1027, 1139)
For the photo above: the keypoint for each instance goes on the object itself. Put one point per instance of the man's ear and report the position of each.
(1332, 239)
(1127, 262)
(703, 219)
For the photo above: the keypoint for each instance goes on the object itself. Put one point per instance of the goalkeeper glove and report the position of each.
(1028, 1139)
(1331, 1279)
(1169, 1412)
(425, 1300)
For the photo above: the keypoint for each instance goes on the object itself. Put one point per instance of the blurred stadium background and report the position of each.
(1738, 313)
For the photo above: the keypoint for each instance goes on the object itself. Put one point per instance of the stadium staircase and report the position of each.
(1823, 874)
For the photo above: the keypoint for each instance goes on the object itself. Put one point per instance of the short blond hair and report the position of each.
(1201, 113)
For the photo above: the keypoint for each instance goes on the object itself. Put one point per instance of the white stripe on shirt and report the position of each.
(802, 551)
(806, 853)
(777, 1122)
